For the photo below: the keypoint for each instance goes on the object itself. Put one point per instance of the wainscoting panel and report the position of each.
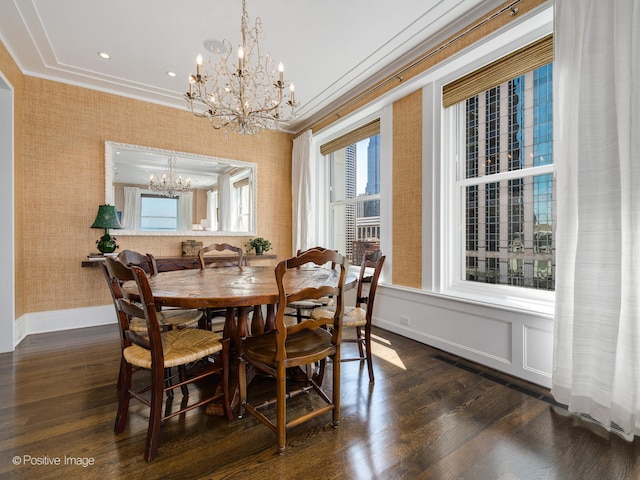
(516, 342)
(538, 349)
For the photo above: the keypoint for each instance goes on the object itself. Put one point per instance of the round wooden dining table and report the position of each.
(238, 289)
(242, 288)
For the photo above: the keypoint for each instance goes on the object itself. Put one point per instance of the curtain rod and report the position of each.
(398, 76)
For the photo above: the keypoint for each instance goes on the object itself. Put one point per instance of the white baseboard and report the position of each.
(57, 320)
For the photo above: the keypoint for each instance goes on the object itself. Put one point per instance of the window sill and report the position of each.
(508, 298)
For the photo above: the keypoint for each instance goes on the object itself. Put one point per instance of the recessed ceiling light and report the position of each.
(172, 74)
(104, 55)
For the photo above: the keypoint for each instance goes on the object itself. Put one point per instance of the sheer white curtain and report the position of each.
(131, 214)
(185, 211)
(212, 209)
(224, 202)
(596, 368)
(302, 210)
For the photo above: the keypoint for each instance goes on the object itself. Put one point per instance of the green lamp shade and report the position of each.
(107, 218)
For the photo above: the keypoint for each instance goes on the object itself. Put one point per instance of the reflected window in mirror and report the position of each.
(158, 213)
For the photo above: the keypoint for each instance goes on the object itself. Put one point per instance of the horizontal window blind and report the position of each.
(365, 131)
(510, 66)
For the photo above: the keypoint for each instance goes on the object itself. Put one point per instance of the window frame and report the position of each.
(357, 200)
(451, 280)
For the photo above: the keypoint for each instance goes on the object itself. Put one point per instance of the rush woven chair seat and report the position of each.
(139, 325)
(299, 345)
(360, 316)
(204, 354)
(168, 318)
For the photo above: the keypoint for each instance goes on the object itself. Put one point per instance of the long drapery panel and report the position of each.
(596, 368)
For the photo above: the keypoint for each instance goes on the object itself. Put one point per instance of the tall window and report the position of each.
(242, 194)
(355, 191)
(506, 183)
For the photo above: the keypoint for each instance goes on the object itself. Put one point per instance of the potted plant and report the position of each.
(259, 244)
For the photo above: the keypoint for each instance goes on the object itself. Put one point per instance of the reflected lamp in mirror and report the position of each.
(107, 218)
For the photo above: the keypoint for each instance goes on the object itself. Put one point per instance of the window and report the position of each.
(354, 162)
(242, 194)
(355, 198)
(504, 183)
(158, 213)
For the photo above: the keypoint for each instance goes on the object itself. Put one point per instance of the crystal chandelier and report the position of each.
(246, 96)
(170, 184)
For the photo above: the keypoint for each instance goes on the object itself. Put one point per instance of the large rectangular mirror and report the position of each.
(165, 192)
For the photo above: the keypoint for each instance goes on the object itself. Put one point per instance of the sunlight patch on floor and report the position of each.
(381, 348)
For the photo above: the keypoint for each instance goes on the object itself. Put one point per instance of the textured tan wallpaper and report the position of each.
(64, 183)
(407, 191)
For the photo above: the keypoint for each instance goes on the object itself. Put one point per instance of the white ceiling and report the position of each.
(135, 165)
(328, 47)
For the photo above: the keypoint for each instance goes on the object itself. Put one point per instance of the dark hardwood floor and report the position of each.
(429, 415)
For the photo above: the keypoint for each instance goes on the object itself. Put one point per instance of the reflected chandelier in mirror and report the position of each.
(221, 199)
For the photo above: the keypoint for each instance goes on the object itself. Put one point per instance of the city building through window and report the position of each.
(355, 197)
(506, 183)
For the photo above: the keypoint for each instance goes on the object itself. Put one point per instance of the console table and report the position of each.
(169, 264)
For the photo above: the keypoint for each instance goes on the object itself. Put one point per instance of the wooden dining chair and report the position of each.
(216, 249)
(145, 261)
(204, 353)
(302, 308)
(134, 324)
(360, 315)
(224, 260)
(299, 345)
(169, 317)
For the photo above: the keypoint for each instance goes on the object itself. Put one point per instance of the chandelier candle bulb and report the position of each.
(240, 57)
(281, 71)
(199, 66)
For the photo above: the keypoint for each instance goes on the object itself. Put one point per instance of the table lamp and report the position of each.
(107, 218)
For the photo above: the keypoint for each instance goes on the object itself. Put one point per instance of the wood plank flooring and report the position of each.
(429, 415)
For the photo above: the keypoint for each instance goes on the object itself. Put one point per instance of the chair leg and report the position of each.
(167, 381)
(242, 386)
(367, 339)
(360, 340)
(182, 376)
(124, 381)
(155, 416)
(320, 376)
(336, 387)
(281, 402)
(119, 384)
(224, 378)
